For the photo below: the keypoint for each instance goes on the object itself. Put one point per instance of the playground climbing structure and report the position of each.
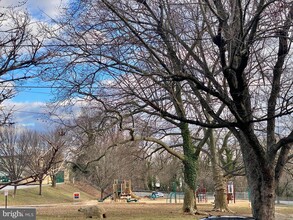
(122, 190)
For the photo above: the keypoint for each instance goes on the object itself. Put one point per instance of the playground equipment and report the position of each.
(105, 197)
(122, 190)
(177, 196)
(155, 195)
(230, 192)
(201, 194)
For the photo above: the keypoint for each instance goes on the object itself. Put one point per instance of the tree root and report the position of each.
(223, 210)
(200, 213)
(196, 212)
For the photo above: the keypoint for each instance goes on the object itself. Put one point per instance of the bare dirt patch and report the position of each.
(144, 209)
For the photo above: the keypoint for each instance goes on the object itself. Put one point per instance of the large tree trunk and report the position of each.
(190, 170)
(263, 202)
(261, 181)
(220, 200)
(221, 203)
(262, 188)
(189, 204)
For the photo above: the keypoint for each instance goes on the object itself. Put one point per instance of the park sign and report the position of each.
(76, 195)
(18, 214)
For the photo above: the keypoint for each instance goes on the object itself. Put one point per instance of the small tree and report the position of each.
(14, 153)
(45, 155)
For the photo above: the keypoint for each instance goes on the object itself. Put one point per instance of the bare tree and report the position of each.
(99, 158)
(167, 170)
(93, 161)
(46, 155)
(14, 153)
(236, 52)
(26, 157)
(148, 97)
(21, 54)
(225, 164)
(36, 165)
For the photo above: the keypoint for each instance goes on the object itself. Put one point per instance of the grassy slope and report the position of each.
(63, 193)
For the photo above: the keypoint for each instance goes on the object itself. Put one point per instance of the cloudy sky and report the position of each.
(37, 8)
(30, 104)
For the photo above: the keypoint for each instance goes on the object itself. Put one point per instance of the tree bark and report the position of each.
(262, 190)
(261, 181)
(220, 199)
(189, 204)
(102, 193)
(190, 170)
(14, 191)
(54, 180)
(40, 186)
(221, 203)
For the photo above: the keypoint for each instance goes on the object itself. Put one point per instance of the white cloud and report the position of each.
(39, 9)
(40, 115)
(49, 8)
(28, 114)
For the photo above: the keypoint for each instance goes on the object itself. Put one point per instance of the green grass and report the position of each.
(63, 193)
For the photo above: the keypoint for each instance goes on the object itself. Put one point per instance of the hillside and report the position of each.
(63, 193)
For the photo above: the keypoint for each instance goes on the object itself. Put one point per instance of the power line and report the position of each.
(47, 87)
(45, 93)
(35, 87)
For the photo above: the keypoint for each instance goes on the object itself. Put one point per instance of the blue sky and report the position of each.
(29, 104)
(33, 92)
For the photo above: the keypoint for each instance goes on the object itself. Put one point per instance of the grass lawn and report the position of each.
(58, 204)
(147, 211)
(63, 193)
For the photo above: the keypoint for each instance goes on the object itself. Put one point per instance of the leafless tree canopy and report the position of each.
(228, 60)
(21, 54)
(14, 153)
(28, 157)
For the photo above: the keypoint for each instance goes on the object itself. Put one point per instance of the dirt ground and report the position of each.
(147, 209)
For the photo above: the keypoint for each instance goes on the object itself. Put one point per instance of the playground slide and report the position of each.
(134, 196)
(107, 196)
